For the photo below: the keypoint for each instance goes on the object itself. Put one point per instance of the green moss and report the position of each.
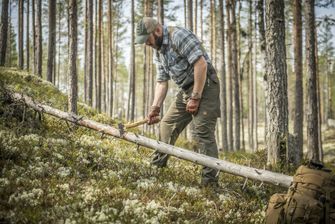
(53, 171)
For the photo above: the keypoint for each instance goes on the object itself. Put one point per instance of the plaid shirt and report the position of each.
(176, 58)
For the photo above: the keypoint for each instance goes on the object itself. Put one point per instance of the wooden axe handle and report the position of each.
(137, 123)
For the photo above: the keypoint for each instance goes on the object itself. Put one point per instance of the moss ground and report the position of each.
(52, 171)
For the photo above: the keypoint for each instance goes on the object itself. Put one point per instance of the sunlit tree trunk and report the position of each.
(251, 102)
(4, 32)
(72, 73)
(131, 99)
(312, 107)
(223, 95)
(38, 38)
(20, 33)
(52, 40)
(297, 154)
(276, 101)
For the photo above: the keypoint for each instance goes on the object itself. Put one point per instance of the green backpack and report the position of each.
(310, 198)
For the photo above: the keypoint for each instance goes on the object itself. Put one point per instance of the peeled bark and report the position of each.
(201, 159)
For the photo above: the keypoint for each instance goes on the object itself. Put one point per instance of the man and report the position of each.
(180, 56)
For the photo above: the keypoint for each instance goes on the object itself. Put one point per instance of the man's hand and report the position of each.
(192, 106)
(153, 116)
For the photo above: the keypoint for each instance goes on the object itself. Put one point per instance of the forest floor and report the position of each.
(52, 171)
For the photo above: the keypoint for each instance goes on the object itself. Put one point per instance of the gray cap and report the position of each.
(144, 28)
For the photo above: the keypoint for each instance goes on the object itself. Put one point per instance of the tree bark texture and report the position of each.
(312, 107)
(72, 74)
(229, 82)
(201, 159)
(20, 33)
(276, 101)
(235, 73)
(297, 154)
(27, 36)
(190, 14)
(90, 53)
(111, 58)
(132, 63)
(223, 91)
(33, 27)
(52, 40)
(38, 38)
(260, 9)
(4, 32)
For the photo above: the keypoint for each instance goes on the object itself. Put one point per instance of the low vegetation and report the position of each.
(53, 171)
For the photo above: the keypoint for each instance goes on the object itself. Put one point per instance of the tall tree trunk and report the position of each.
(250, 82)
(52, 39)
(260, 9)
(312, 107)
(85, 51)
(297, 153)
(95, 78)
(72, 74)
(4, 32)
(160, 12)
(240, 71)
(99, 62)
(111, 64)
(195, 17)
(318, 96)
(229, 83)
(276, 101)
(185, 13)
(20, 33)
(254, 93)
(27, 36)
(90, 53)
(38, 38)
(235, 75)
(201, 21)
(190, 15)
(59, 44)
(33, 27)
(223, 95)
(132, 65)
(212, 28)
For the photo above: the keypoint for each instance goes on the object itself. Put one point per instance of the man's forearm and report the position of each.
(200, 71)
(160, 93)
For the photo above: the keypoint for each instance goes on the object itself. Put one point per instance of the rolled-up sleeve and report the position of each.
(188, 45)
(162, 75)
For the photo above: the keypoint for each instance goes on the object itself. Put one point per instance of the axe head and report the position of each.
(121, 129)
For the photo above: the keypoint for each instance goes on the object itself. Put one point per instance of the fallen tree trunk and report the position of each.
(225, 166)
